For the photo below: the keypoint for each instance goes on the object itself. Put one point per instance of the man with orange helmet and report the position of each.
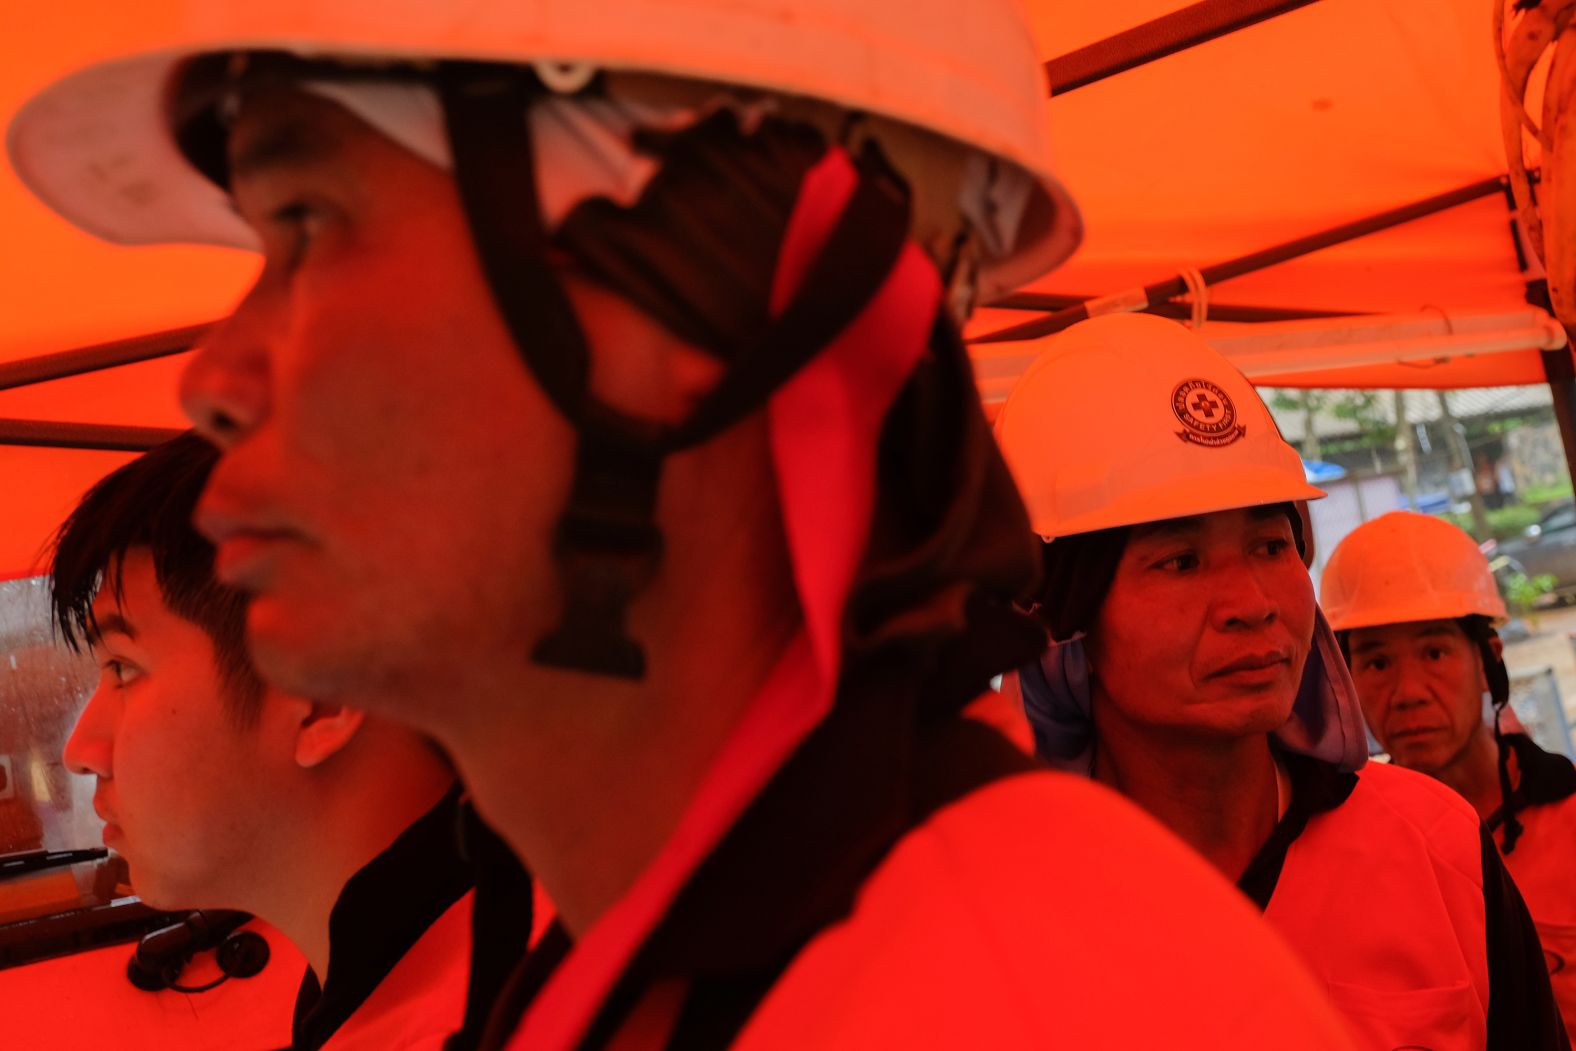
(1415, 605)
(1191, 670)
(600, 409)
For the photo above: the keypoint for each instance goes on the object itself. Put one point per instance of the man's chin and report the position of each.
(288, 655)
(151, 892)
(1245, 715)
(1425, 760)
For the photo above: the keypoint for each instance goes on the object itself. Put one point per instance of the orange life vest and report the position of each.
(1042, 911)
(1542, 865)
(1383, 898)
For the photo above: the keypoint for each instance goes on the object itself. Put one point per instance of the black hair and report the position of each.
(148, 504)
(1079, 569)
(1078, 574)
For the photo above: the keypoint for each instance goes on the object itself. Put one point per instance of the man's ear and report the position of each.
(324, 730)
(1497, 644)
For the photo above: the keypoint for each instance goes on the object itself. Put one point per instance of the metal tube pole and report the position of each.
(1050, 302)
(1559, 369)
(49, 434)
(1160, 291)
(1559, 366)
(1166, 35)
(48, 367)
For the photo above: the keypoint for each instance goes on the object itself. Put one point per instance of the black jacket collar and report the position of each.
(1316, 787)
(1546, 777)
(384, 909)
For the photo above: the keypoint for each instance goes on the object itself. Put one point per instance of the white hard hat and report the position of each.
(1403, 567)
(1130, 418)
(97, 147)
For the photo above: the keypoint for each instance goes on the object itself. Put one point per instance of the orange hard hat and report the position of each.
(1403, 567)
(97, 147)
(1131, 418)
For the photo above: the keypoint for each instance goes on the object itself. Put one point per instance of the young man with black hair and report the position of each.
(338, 828)
(1416, 606)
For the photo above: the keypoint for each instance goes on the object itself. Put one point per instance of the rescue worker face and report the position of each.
(1206, 625)
(183, 788)
(390, 476)
(1421, 685)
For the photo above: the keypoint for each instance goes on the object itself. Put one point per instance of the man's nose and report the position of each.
(1241, 600)
(1408, 686)
(224, 389)
(90, 750)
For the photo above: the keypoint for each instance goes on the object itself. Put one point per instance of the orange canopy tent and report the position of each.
(1333, 111)
(1329, 112)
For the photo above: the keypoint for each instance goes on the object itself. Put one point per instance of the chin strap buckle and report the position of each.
(607, 548)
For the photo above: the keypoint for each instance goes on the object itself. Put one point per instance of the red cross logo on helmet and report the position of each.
(1206, 412)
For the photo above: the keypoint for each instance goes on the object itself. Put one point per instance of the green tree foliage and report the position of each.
(1362, 407)
(1523, 592)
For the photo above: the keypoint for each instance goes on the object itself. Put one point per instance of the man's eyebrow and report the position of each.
(1170, 527)
(112, 623)
(291, 143)
(1433, 631)
(1438, 630)
(1369, 646)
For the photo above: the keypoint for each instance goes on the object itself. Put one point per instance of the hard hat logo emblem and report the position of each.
(1207, 414)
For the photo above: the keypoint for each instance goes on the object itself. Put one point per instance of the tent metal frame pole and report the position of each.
(99, 356)
(1559, 370)
(1137, 299)
(1050, 302)
(1559, 365)
(1192, 25)
(48, 434)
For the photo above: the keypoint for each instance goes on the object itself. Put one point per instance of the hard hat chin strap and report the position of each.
(1498, 677)
(1507, 806)
(607, 544)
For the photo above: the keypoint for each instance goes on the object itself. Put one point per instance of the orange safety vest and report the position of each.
(1038, 911)
(422, 1000)
(1543, 865)
(1383, 898)
(1045, 911)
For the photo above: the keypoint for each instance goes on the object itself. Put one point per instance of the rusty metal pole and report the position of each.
(100, 356)
(1559, 369)
(1559, 366)
(1134, 299)
(1192, 25)
(49, 434)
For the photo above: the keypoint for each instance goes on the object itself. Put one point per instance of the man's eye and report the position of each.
(1376, 664)
(295, 225)
(119, 671)
(1178, 563)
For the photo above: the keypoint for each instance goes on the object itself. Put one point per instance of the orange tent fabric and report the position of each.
(61, 289)
(1329, 113)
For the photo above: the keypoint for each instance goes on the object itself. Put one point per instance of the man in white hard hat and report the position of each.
(602, 412)
(339, 829)
(1191, 670)
(1415, 604)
